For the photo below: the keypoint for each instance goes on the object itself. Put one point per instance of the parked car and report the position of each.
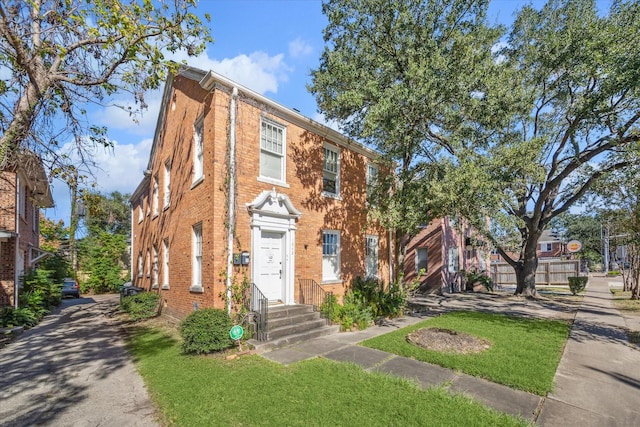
(70, 288)
(128, 289)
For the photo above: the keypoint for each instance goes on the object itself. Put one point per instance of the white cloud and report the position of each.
(333, 124)
(258, 71)
(299, 47)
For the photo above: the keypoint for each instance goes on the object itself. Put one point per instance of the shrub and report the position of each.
(22, 316)
(140, 306)
(472, 277)
(383, 301)
(206, 331)
(577, 284)
(353, 313)
(330, 308)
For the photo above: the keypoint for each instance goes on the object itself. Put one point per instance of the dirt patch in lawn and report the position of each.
(447, 341)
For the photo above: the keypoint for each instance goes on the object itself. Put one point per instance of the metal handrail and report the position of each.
(311, 293)
(258, 305)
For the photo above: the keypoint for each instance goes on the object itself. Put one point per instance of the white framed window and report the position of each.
(140, 212)
(331, 171)
(148, 261)
(330, 255)
(272, 151)
(372, 180)
(154, 280)
(545, 247)
(421, 260)
(196, 276)
(165, 264)
(371, 256)
(166, 190)
(140, 265)
(454, 260)
(198, 150)
(22, 199)
(154, 199)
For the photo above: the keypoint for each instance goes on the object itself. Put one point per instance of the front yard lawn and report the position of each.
(524, 353)
(252, 391)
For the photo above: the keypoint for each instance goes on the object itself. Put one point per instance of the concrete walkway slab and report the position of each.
(425, 374)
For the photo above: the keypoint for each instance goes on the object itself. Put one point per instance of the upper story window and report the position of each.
(22, 200)
(372, 180)
(167, 183)
(272, 151)
(156, 191)
(331, 171)
(545, 247)
(198, 150)
(140, 212)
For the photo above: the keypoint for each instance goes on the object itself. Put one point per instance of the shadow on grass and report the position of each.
(147, 341)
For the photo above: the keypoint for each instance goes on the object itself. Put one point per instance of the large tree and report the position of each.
(618, 200)
(537, 128)
(59, 56)
(394, 75)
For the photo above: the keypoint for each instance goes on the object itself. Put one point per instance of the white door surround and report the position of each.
(273, 223)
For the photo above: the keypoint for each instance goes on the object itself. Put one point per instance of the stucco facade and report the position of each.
(229, 165)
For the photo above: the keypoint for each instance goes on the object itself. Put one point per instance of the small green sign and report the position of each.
(236, 332)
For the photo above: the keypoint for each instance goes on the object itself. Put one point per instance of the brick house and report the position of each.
(24, 189)
(550, 248)
(238, 189)
(442, 250)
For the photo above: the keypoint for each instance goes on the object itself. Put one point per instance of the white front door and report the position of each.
(270, 265)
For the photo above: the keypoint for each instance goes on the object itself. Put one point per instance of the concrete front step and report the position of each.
(292, 324)
(272, 344)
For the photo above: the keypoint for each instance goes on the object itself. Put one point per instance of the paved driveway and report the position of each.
(73, 370)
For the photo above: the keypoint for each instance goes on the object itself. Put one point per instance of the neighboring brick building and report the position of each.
(443, 251)
(297, 210)
(24, 189)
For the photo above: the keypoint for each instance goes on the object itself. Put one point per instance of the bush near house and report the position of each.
(37, 297)
(577, 284)
(141, 306)
(366, 300)
(206, 331)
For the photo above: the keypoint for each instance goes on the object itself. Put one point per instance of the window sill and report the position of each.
(154, 287)
(155, 215)
(331, 282)
(331, 195)
(165, 207)
(197, 182)
(165, 287)
(196, 289)
(273, 181)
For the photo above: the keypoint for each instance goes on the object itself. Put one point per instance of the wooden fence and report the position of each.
(548, 272)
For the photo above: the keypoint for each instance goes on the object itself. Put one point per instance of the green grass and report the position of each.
(252, 391)
(524, 353)
(623, 302)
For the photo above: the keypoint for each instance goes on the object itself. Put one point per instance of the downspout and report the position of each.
(232, 194)
(391, 264)
(16, 244)
(131, 245)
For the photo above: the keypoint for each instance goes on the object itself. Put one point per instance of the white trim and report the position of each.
(274, 212)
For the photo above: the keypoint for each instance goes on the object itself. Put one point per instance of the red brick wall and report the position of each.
(207, 202)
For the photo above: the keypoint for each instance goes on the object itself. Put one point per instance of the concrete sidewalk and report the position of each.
(597, 382)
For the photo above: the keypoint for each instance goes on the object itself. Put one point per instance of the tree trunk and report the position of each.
(526, 272)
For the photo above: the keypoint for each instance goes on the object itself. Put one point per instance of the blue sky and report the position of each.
(269, 46)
